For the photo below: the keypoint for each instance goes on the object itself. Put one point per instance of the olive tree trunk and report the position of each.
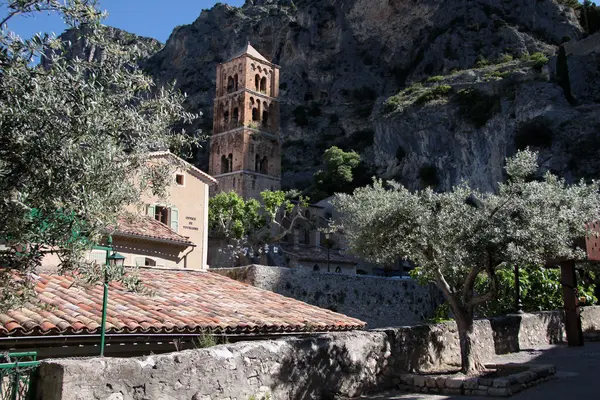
(471, 363)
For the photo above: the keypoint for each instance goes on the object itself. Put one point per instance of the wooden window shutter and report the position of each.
(175, 219)
(151, 210)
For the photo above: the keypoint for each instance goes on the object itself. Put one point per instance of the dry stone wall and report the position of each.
(380, 302)
(314, 367)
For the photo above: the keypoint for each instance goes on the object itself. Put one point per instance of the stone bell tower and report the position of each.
(245, 147)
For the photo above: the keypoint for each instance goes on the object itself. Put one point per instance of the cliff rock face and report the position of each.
(341, 59)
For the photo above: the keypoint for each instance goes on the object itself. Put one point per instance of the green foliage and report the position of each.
(457, 237)
(570, 3)
(230, 216)
(504, 58)
(252, 223)
(541, 290)
(538, 60)
(338, 173)
(441, 314)
(534, 133)
(476, 106)
(434, 79)
(416, 94)
(481, 62)
(74, 134)
(434, 93)
(589, 17)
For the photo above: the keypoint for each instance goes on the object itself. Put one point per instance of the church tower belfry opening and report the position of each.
(245, 147)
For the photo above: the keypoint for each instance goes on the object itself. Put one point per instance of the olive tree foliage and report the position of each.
(246, 226)
(457, 237)
(75, 140)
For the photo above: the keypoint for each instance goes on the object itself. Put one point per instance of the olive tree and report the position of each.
(249, 224)
(458, 236)
(75, 140)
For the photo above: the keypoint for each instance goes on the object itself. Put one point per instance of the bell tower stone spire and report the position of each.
(245, 147)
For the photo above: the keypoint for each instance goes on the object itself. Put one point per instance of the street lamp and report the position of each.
(113, 261)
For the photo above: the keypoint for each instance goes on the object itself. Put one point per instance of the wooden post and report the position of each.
(571, 304)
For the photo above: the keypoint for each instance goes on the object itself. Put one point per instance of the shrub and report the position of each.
(477, 107)
(538, 59)
(504, 58)
(435, 78)
(534, 133)
(434, 93)
(481, 62)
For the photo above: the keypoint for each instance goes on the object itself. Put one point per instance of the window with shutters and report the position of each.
(166, 215)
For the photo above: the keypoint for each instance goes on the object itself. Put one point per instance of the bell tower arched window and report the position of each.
(256, 82)
(263, 85)
(264, 165)
(236, 114)
(230, 85)
(224, 164)
(235, 82)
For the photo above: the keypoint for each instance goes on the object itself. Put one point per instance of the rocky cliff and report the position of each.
(492, 72)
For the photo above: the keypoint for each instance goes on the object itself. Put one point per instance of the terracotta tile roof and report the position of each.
(182, 302)
(147, 227)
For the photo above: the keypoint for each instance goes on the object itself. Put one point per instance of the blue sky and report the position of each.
(153, 18)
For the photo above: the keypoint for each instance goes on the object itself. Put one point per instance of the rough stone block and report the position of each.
(515, 388)
(419, 381)
(471, 383)
(454, 383)
(499, 391)
(486, 382)
(430, 381)
(407, 379)
(501, 383)
(440, 382)
(479, 392)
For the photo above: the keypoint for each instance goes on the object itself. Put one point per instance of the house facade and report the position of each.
(171, 233)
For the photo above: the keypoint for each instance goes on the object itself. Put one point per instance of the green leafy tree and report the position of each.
(457, 237)
(247, 225)
(338, 173)
(75, 140)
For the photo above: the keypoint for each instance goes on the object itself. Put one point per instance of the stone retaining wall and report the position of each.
(379, 301)
(316, 367)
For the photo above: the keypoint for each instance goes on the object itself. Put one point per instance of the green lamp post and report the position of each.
(113, 261)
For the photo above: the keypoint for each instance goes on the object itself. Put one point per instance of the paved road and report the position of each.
(577, 371)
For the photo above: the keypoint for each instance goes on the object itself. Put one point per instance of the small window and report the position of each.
(338, 269)
(316, 268)
(161, 214)
(180, 179)
(148, 262)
